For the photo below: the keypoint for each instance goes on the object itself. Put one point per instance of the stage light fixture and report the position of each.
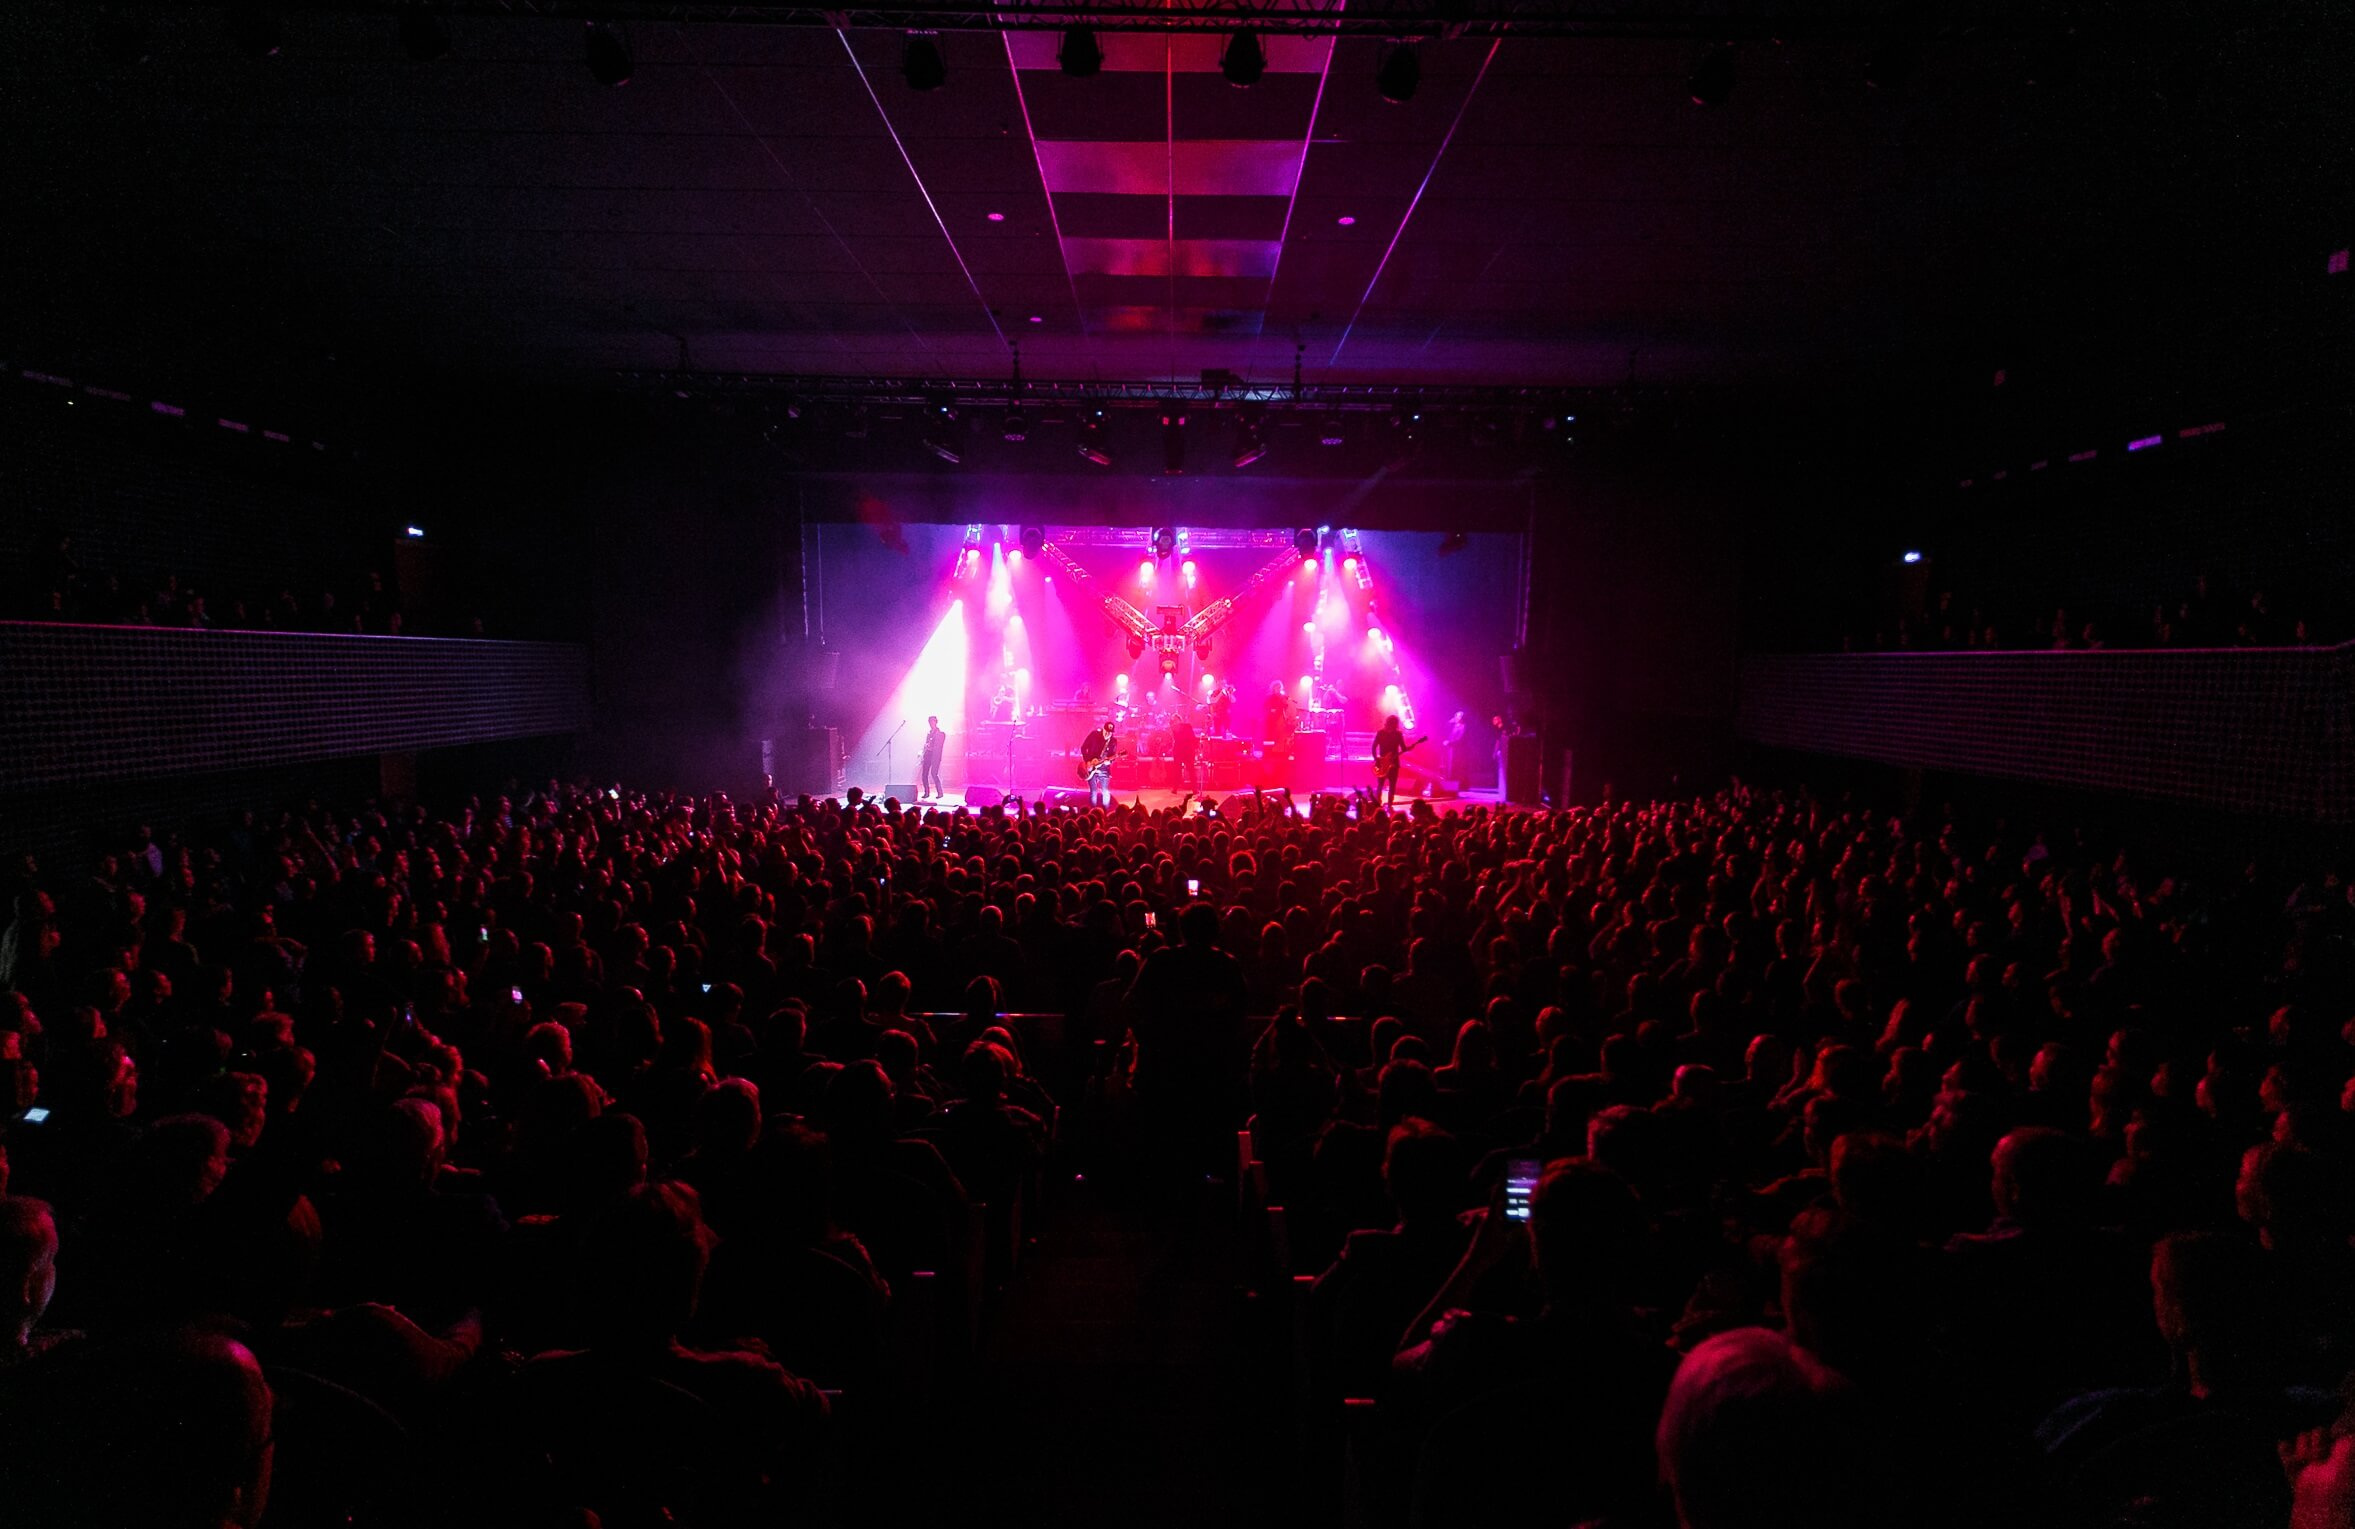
(920, 62)
(941, 449)
(1304, 541)
(1912, 555)
(1332, 435)
(1081, 56)
(1190, 571)
(123, 40)
(608, 53)
(1091, 440)
(1173, 444)
(1400, 74)
(1136, 649)
(258, 30)
(1145, 571)
(1244, 61)
(423, 36)
(1250, 441)
(1202, 654)
(1169, 662)
(1164, 542)
(1712, 78)
(1017, 424)
(414, 532)
(1034, 540)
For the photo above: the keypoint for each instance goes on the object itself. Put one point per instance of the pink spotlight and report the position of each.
(1014, 558)
(1309, 627)
(1308, 568)
(1145, 571)
(1346, 221)
(997, 217)
(1349, 565)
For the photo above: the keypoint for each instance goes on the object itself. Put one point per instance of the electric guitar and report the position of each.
(1087, 767)
(1389, 772)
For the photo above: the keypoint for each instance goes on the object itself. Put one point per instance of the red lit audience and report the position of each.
(588, 1158)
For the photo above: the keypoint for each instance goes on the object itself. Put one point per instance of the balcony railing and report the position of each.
(103, 703)
(2262, 730)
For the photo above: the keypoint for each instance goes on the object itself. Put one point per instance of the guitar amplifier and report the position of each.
(1226, 774)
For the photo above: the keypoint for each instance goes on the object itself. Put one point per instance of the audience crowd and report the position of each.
(52, 585)
(2198, 617)
(602, 1157)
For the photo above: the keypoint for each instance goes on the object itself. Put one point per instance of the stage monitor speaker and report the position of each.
(984, 796)
(1226, 774)
(1062, 796)
(905, 790)
(1522, 782)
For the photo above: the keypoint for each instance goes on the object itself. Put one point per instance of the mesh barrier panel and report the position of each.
(86, 703)
(2262, 730)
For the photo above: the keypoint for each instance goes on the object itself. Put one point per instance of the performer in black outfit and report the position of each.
(1279, 718)
(936, 744)
(1222, 712)
(1389, 754)
(1095, 753)
(1185, 752)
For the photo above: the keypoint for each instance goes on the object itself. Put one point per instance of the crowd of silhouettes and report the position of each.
(577, 1156)
(2202, 615)
(52, 584)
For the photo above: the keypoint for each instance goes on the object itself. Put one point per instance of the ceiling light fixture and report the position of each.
(1712, 78)
(1244, 61)
(1250, 441)
(1332, 435)
(1401, 72)
(1081, 56)
(922, 64)
(258, 30)
(608, 53)
(423, 36)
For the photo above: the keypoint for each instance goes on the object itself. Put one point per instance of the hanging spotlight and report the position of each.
(1332, 435)
(922, 64)
(1400, 74)
(1164, 543)
(609, 54)
(423, 36)
(1244, 60)
(1169, 661)
(1081, 56)
(1202, 649)
(1136, 646)
(1250, 441)
(1895, 55)
(1304, 541)
(1091, 441)
(1713, 77)
(1173, 444)
(258, 30)
(1017, 424)
(1034, 540)
(122, 40)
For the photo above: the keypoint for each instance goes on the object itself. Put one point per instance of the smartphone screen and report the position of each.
(35, 1115)
(515, 995)
(1193, 887)
(707, 987)
(1152, 921)
(1521, 1186)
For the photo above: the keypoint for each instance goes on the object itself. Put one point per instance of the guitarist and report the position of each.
(1390, 751)
(1095, 765)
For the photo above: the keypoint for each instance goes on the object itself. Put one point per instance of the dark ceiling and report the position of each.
(778, 200)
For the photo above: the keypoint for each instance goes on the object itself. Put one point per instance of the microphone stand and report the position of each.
(895, 732)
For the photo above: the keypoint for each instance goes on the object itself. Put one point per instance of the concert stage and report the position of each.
(1221, 659)
(1160, 800)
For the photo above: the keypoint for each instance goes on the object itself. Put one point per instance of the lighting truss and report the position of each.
(1143, 629)
(920, 394)
(1757, 20)
(1190, 538)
